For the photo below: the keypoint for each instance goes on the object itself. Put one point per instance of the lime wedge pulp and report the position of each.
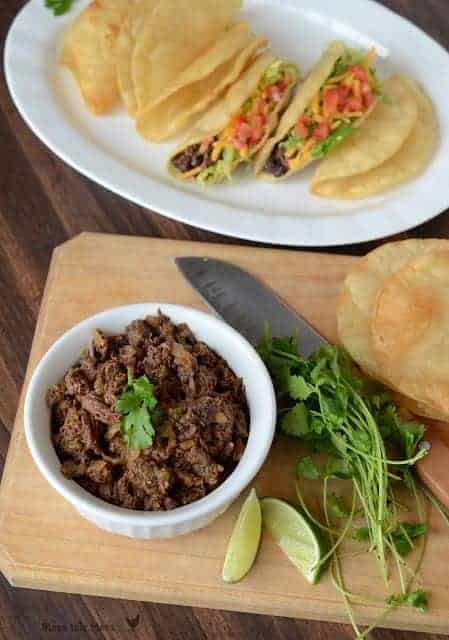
(295, 535)
(244, 541)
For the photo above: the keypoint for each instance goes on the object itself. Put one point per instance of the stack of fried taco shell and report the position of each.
(199, 85)
(393, 317)
(89, 52)
(141, 50)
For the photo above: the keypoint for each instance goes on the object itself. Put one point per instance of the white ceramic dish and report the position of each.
(242, 358)
(110, 152)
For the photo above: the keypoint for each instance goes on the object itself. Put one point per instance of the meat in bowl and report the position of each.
(150, 419)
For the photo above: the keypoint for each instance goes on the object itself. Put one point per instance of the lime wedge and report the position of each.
(295, 535)
(244, 541)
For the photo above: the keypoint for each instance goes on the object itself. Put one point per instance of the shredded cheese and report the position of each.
(190, 174)
(368, 62)
(315, 105)
(337, 79)
(303, 155)
(352, 114)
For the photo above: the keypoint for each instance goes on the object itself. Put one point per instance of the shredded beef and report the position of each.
(192, 158)
(277, 163)
(201, 440)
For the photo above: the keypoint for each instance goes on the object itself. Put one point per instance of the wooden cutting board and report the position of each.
(45, 544)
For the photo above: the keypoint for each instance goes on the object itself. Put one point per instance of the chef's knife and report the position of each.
(248, 305)
(245, 303)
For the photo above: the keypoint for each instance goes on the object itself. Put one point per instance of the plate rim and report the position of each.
(165, 196)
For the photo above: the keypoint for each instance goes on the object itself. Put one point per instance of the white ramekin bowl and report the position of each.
(241, 357)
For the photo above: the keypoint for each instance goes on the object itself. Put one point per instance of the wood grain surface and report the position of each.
(42, 204)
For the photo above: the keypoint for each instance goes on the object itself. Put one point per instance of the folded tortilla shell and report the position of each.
(125, 48)
(173, 36)
(89, 52)
(409, 329)
(219, 116)
(202, 83)
(393, 146)
(360, 290)
(305, 95)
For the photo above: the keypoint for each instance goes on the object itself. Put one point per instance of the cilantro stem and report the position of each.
(343, 533)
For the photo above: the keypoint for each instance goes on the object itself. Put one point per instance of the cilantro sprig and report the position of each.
(140, 413)
(417, 599)
(323, 401)
(59, 7)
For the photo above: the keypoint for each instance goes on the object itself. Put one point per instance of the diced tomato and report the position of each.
(248, 130)
(257, 120)
(331, 101)
(360, 73)
(239, 144)
(257, 123)
(322, 131)
(365, 88)
(238, 121)
(302, 127)
(367, 95)
(282, 85)
(275, 91)
(242, 131)
(343, 93)
(354, 104)
(301, 130)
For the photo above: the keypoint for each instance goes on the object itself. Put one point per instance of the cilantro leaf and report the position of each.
(338, 468)
(59, 7)
(417, 599)
(405, 533)
(298, 388)
(410, 434)
(337, 506)
(128, 402)
(361, 534)
(307, 468)
(295, 422)
(140, 413)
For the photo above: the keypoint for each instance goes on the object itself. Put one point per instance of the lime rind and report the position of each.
(244, 542)
(295, 535)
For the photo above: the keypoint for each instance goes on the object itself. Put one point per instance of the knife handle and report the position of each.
(433, 469)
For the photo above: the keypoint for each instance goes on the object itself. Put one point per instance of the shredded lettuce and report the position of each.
(220, 170)
(273, 73)
(332, 141)
(276, 71)
(247, 105)
(348, 59)
(376, 83)
(292, 141)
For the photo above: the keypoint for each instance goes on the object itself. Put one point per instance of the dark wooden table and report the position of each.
(43, 203)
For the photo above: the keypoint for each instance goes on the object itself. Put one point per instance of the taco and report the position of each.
(335, 99)
(394, 145)
(237, 126)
